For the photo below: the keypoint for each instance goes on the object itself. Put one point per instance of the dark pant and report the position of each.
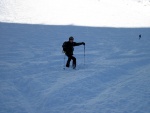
(70, 57)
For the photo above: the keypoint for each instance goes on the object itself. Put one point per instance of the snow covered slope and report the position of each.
(115, 78)
(116, 13)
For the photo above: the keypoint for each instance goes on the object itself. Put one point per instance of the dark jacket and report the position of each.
(68, 47)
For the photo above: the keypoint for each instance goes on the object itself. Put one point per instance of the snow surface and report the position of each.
(114, 79)
(116, 13)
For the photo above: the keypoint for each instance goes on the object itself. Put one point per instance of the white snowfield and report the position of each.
(114, 79)
(116, 13)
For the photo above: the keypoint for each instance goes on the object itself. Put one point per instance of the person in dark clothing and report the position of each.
(140, 36)
(68, 48)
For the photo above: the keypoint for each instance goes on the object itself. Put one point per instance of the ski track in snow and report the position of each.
(114, 79)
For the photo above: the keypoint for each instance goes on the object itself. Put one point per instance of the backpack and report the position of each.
(64, 46)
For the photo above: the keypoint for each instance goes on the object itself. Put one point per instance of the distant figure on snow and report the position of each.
(140, 36)
(68, 48)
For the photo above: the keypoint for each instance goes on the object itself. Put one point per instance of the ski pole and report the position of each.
(84, 55)
(64, 61)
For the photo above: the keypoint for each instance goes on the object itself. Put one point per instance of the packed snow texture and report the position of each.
(115, 77)
(116, 13)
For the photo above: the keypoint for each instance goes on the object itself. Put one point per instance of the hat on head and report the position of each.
(71, 38)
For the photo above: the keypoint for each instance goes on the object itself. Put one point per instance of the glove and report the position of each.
(83, 43)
